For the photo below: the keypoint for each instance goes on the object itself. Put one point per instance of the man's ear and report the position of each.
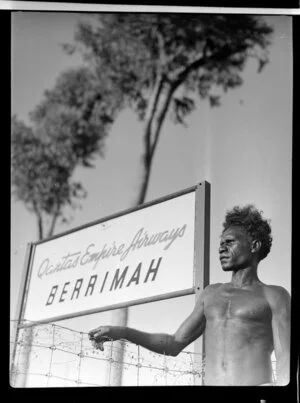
(255, 246)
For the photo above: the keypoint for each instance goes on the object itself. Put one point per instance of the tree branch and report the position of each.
(181, 75)
(54, 219)
(162, 115)
(161, 49)
(152, 108)
(40, 221)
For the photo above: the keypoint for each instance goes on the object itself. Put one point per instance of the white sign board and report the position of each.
(140, 256)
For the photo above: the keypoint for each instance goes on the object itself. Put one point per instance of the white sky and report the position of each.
(243, 148)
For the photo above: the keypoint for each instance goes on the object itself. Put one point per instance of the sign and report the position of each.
(137, 256)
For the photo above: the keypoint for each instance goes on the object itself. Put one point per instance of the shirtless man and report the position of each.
(243, 321)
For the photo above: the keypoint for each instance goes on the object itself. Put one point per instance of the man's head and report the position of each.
(246, 238)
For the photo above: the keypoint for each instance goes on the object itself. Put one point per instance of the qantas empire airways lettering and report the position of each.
(120, 278)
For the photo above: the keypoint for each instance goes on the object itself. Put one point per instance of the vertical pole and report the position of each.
(81, 355)
(108, 369)
(119, 318)
(25, 363)
(49, 375)
(15, 378)
(201, 261)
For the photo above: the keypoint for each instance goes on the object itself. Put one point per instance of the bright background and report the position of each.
(243, 148)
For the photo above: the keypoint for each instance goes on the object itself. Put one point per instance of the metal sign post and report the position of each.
(16, 378)
(201, 262)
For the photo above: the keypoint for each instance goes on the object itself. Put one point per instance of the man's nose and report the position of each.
(222, 248)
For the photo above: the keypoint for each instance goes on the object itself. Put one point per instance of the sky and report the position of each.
(242, 148)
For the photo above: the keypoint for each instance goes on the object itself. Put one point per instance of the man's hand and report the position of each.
(102, 334)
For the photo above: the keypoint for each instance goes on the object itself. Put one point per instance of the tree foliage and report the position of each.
(41, 176)
(156, 64)
(77, 113)
(137, 52)
(67, 129)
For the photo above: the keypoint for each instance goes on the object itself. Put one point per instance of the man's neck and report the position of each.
(244, 277)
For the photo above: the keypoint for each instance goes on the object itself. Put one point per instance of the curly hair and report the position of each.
(249, 218)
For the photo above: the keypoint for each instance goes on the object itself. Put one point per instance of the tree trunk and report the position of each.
(39, 221)
(40, 227)
(151, 135)
(53, 222)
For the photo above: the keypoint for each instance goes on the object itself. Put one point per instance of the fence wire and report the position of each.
(55, 356)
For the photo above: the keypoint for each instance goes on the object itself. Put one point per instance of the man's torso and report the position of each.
(238, 335)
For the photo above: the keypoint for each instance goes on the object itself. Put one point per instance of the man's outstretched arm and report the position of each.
(162, 343)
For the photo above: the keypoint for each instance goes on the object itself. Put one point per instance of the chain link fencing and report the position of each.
(52, 356)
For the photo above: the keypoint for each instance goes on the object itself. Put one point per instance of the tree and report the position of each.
(41, 176)
(155, 63)
(62, 136)
(160, 63)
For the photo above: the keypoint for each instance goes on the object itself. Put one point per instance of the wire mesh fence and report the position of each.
(52, 356)
(55, 356)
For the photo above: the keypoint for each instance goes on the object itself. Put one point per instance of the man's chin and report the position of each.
(226, 268)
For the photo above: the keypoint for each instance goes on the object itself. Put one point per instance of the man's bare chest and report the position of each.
(237, 304)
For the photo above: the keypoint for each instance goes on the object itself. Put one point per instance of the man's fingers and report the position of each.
(97, 339)
(98, 346)
(99, 331)
(101, 339)
(92, 333)
(97, 336)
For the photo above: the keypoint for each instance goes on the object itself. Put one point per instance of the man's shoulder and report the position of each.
(212, 288)
(207, 292)
(275, 289)
(276, 294)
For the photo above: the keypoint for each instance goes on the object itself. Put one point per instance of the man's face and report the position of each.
(235, 249)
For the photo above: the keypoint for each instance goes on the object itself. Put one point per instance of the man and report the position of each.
(243, 321)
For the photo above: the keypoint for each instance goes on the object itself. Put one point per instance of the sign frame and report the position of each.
(200, 266)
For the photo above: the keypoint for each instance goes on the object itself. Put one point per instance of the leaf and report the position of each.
(68, 48)
(214, 100)
(182, 107)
